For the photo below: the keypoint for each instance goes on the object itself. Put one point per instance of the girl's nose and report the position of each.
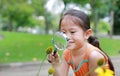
(65, 36)
(68, 37)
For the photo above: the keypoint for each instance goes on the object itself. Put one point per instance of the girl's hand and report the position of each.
(53, 58)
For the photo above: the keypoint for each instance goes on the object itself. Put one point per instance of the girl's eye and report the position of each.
(73, 32)
(63, 32)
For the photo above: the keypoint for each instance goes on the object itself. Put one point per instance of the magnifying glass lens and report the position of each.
(60, 40)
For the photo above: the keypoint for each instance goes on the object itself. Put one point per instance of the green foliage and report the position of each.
(103, 27)
(81, 2)
(38, 5)
(116, 25)
(24, 15)
(20, 13)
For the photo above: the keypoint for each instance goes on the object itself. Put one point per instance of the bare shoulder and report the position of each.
(94, 57)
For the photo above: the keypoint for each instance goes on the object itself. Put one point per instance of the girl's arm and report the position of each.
(93, 59)
(61, 69)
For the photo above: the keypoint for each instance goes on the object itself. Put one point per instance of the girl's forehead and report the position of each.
(69, 20)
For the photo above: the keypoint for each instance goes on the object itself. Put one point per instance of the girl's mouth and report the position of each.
(70, 43)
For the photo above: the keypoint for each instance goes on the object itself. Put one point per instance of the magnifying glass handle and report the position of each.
(55, 51)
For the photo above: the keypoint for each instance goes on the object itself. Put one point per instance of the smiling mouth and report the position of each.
(70, 43)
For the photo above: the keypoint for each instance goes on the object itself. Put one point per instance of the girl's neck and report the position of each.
(80, 51)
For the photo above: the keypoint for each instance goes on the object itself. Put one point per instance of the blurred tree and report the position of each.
(17, 13)
(111, 5)
(116, 17)
(103, 27)
(38, 5)
(78, 2)
(40, 10)
(113, 8)
(22, 13)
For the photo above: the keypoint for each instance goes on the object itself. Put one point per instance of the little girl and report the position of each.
(83, 51)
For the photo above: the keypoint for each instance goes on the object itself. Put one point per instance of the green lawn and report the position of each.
(110, 46)
(22, 47)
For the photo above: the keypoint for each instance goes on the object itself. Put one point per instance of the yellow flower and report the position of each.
(7, 54)
(100, 62)
(34, 59)
(102, 71)
(51, 70)
(49, 50)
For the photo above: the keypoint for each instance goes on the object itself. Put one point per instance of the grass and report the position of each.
(110, 46)
(22, 47)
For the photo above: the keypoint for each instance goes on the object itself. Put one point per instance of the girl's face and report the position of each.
(76, 36)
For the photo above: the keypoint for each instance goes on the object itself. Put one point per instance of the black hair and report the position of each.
(84, 19)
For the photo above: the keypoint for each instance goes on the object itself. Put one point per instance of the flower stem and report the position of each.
(41, 66)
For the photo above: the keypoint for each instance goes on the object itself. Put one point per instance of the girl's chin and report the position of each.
(70, 48)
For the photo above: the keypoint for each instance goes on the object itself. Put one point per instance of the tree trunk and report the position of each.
(111, 23)
(46, 25)
(112, 19)
(10, 26)
(65, 4)
(95, 16)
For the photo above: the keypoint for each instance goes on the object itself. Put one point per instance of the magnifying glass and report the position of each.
(59, 41)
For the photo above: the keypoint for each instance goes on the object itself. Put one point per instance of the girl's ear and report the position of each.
(88, 33)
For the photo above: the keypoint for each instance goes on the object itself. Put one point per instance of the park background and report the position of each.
(27, 26)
